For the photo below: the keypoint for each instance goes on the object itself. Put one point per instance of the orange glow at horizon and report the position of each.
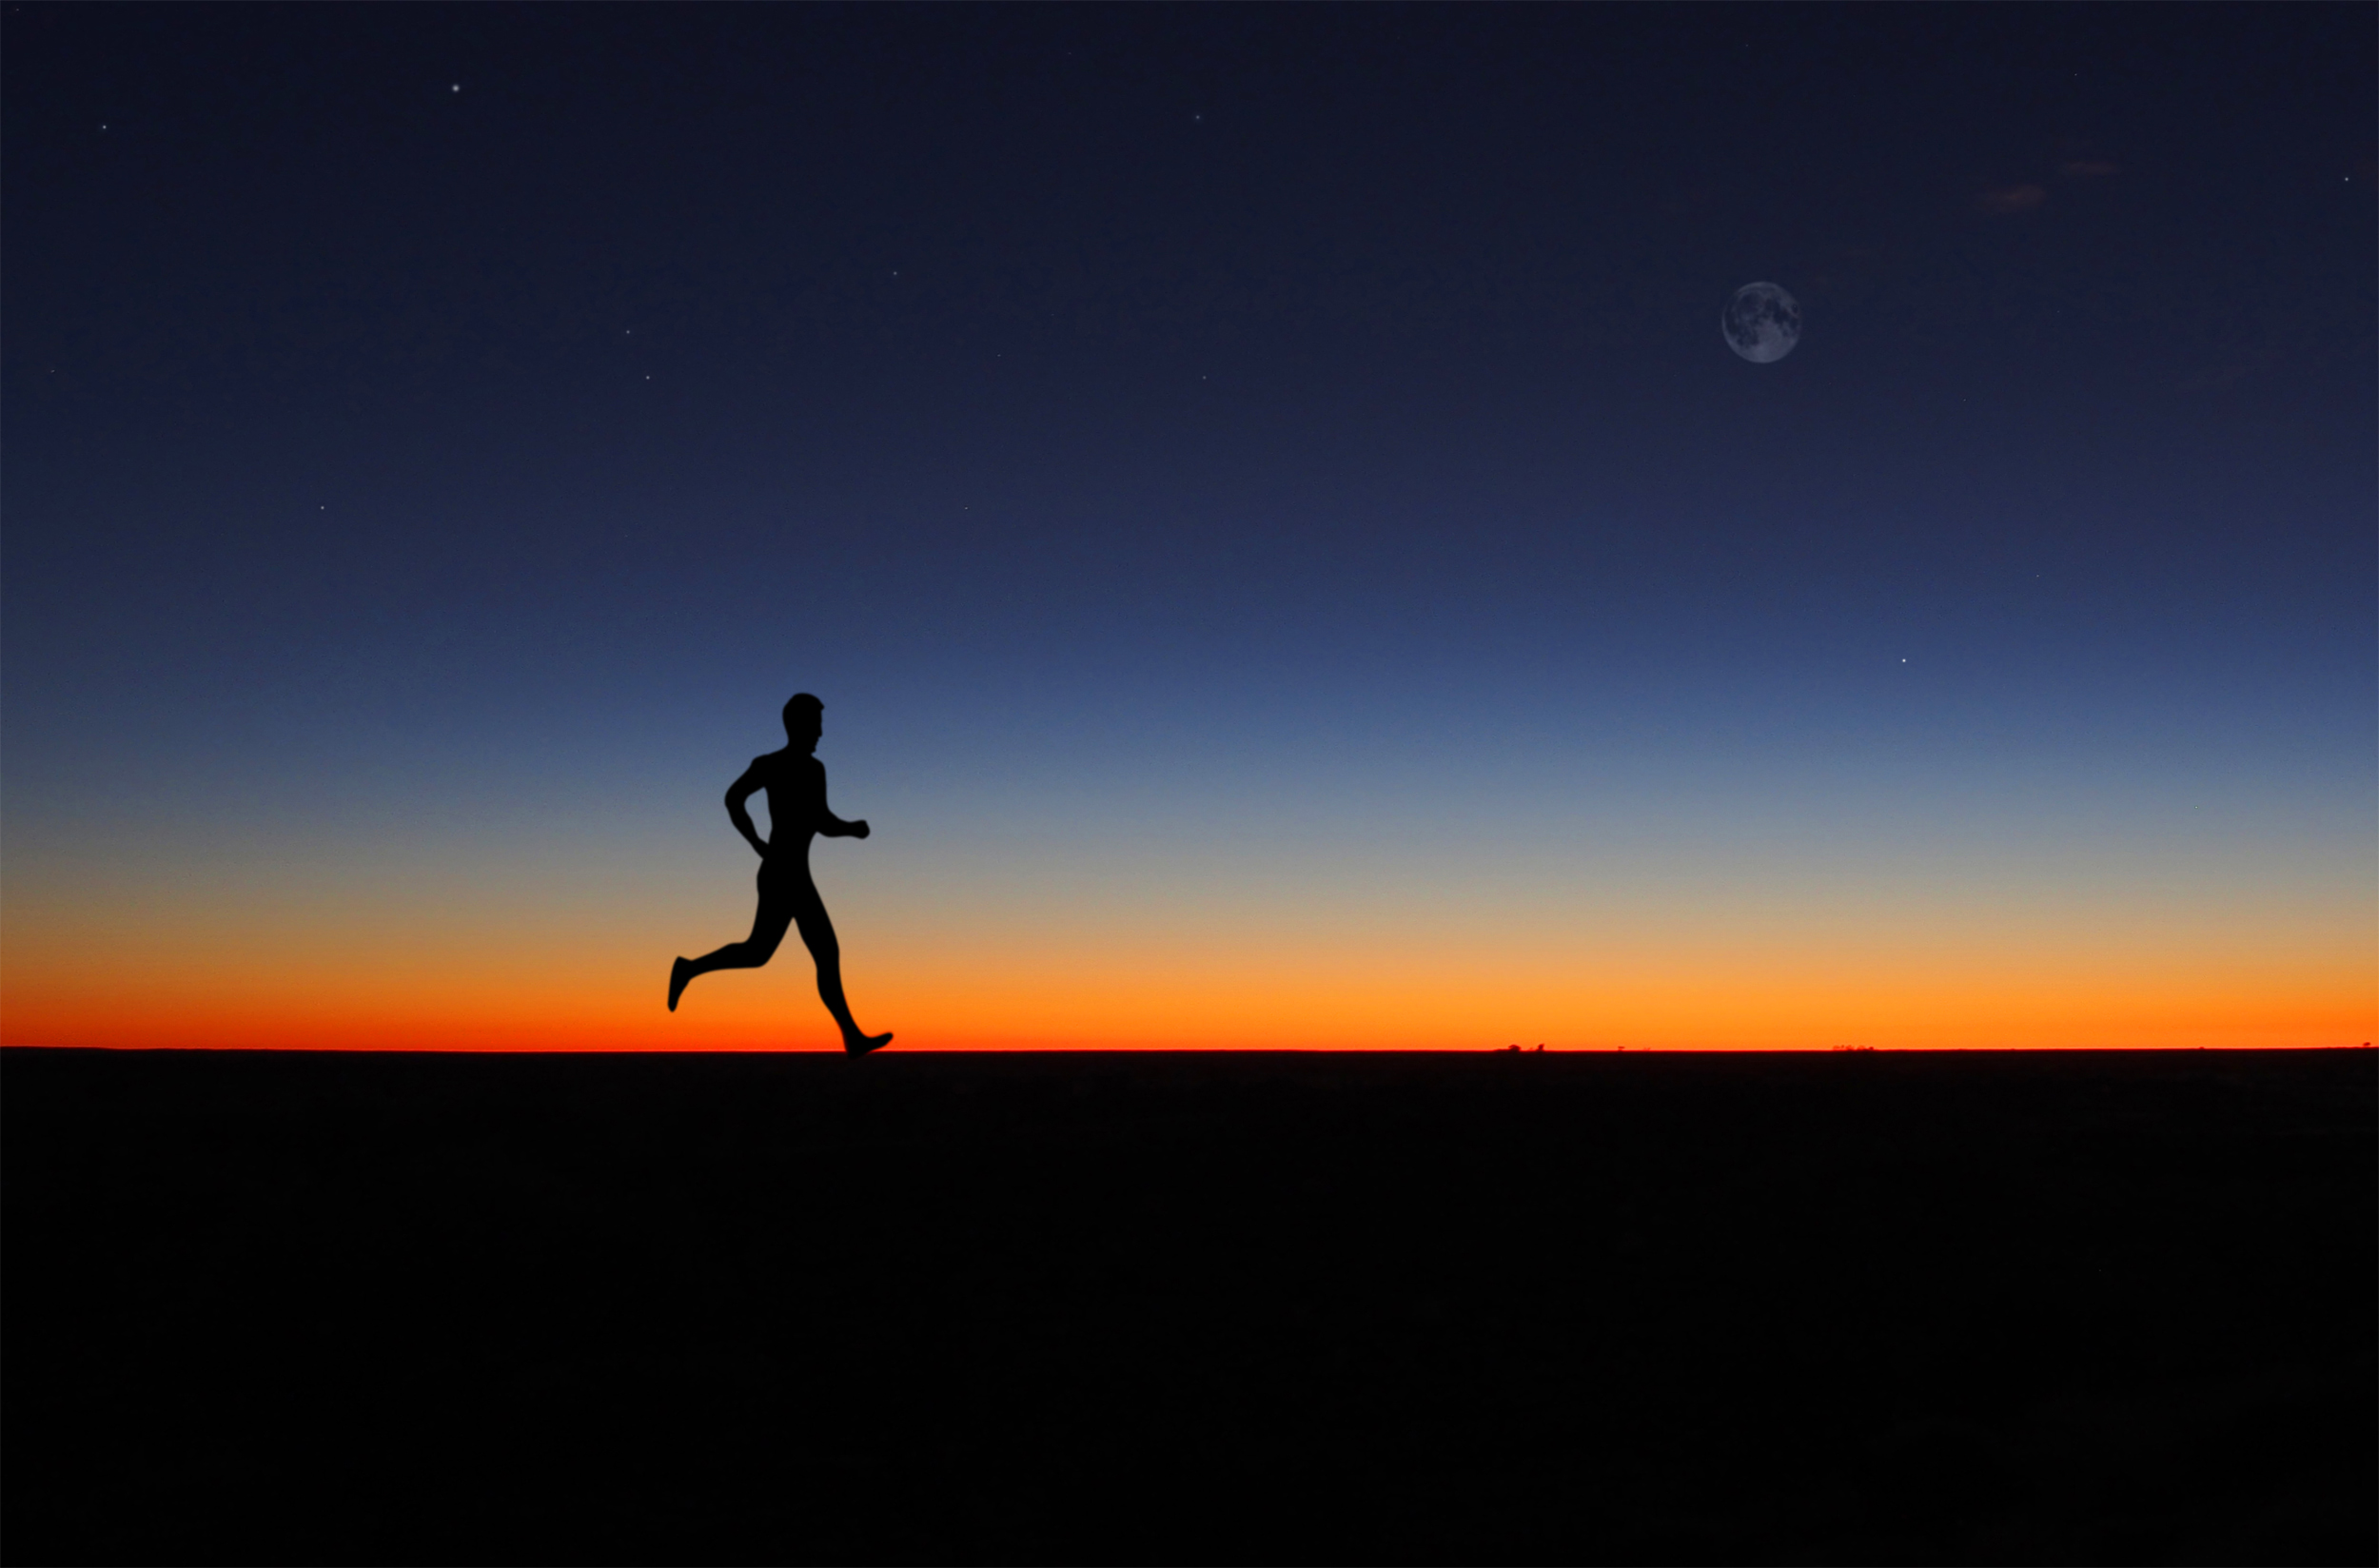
(566, 945)
(1316, 998)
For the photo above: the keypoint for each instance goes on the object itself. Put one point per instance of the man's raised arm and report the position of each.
(829, 825)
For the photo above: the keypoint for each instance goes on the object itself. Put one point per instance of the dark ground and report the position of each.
(1855, 1307)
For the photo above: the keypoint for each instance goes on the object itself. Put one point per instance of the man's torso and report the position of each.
(796, 786)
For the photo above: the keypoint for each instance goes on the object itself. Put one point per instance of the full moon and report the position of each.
(1761, 322)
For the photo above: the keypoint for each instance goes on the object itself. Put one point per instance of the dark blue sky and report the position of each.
(1186, 408)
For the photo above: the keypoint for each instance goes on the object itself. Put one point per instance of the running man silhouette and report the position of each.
(796, 782)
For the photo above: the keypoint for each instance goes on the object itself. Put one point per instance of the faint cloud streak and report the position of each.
(2009, 200)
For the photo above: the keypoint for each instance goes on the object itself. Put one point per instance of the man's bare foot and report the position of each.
(677, 977)
(860, 1045)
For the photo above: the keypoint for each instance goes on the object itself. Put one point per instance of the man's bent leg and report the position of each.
(768, 930)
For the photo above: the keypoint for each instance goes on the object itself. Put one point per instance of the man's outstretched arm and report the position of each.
(738, 792)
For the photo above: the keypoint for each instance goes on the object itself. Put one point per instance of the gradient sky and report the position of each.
(1288, 555)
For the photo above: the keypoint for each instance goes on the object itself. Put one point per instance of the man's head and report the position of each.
(805, 719)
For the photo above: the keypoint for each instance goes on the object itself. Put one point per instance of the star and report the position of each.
(457, 87)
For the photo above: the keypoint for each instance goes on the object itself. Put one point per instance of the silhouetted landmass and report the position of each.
(1494, 1307)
